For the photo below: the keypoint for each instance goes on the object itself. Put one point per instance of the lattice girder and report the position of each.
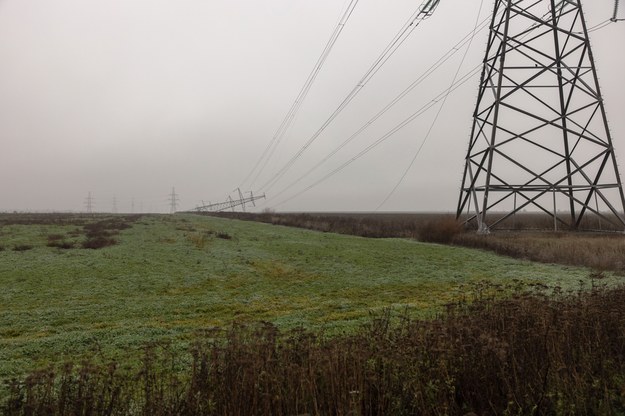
(540, 138)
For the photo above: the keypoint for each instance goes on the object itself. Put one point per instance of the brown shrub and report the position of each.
(62, 244)
(22, 247)
(54, 237)
(96, 242)
(99, 234)
(521, 355)
(43, 219)
(596, 251)
(58, 241)
(224, 236)
(442, 230)
(364, 225)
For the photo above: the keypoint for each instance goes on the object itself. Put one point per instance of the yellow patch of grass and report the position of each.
(275, 270)
(199, 240)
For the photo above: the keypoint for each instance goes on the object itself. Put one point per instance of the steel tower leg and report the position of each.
(539, 128)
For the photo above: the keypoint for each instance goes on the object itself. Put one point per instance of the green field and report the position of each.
(171, 276)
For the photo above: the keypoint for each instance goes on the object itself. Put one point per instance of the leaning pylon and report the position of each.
(540, 139)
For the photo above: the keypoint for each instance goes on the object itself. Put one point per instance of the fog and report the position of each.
(127, 99)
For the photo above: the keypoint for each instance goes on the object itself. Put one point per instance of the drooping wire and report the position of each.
(299, 100)
(424, 76)
(469, 75)
(427, 135)
(599, 26)
(609, 21)
(411, 24)
(438, 113)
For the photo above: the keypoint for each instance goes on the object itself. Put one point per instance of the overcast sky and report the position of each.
(128, 98)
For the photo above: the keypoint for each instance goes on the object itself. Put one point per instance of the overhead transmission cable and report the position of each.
(422, 12)
(424, 76)
(600, 26)
(440, 109)
(299, 100)
(427, 135)
(443, 95)
(466, 77)
(607, 22)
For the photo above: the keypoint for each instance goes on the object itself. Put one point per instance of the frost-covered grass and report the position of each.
(171, 276)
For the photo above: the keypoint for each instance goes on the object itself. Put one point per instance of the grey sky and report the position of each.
(127, 98)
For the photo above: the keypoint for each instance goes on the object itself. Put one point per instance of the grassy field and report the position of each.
(169, 277)
(530, 239)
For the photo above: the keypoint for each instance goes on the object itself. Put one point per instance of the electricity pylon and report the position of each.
(173, 201)
(540, 138)
(230, 203)
(89, 203)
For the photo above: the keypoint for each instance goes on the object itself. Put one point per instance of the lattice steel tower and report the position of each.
(540, 138)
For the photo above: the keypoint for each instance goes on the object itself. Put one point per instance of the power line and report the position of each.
(438, 113)
(422, 12)
(290, 116)
(404, 123)
(431, 70)
(427, 135)
(598, 26)
(442, 96)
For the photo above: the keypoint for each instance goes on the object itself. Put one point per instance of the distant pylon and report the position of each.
(540, 137)
(229, 203)
(114, 204)
(89, 202)
(173, 201)
(241, 199)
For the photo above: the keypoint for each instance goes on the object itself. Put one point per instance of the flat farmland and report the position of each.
(530, 236)
(169, 276)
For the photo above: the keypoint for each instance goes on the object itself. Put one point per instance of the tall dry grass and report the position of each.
(597, 251)
(525, 355)
(363, 225)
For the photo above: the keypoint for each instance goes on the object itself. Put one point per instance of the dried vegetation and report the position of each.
(529, 236)
(97, 232)
(491, 353)
(529, 354)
